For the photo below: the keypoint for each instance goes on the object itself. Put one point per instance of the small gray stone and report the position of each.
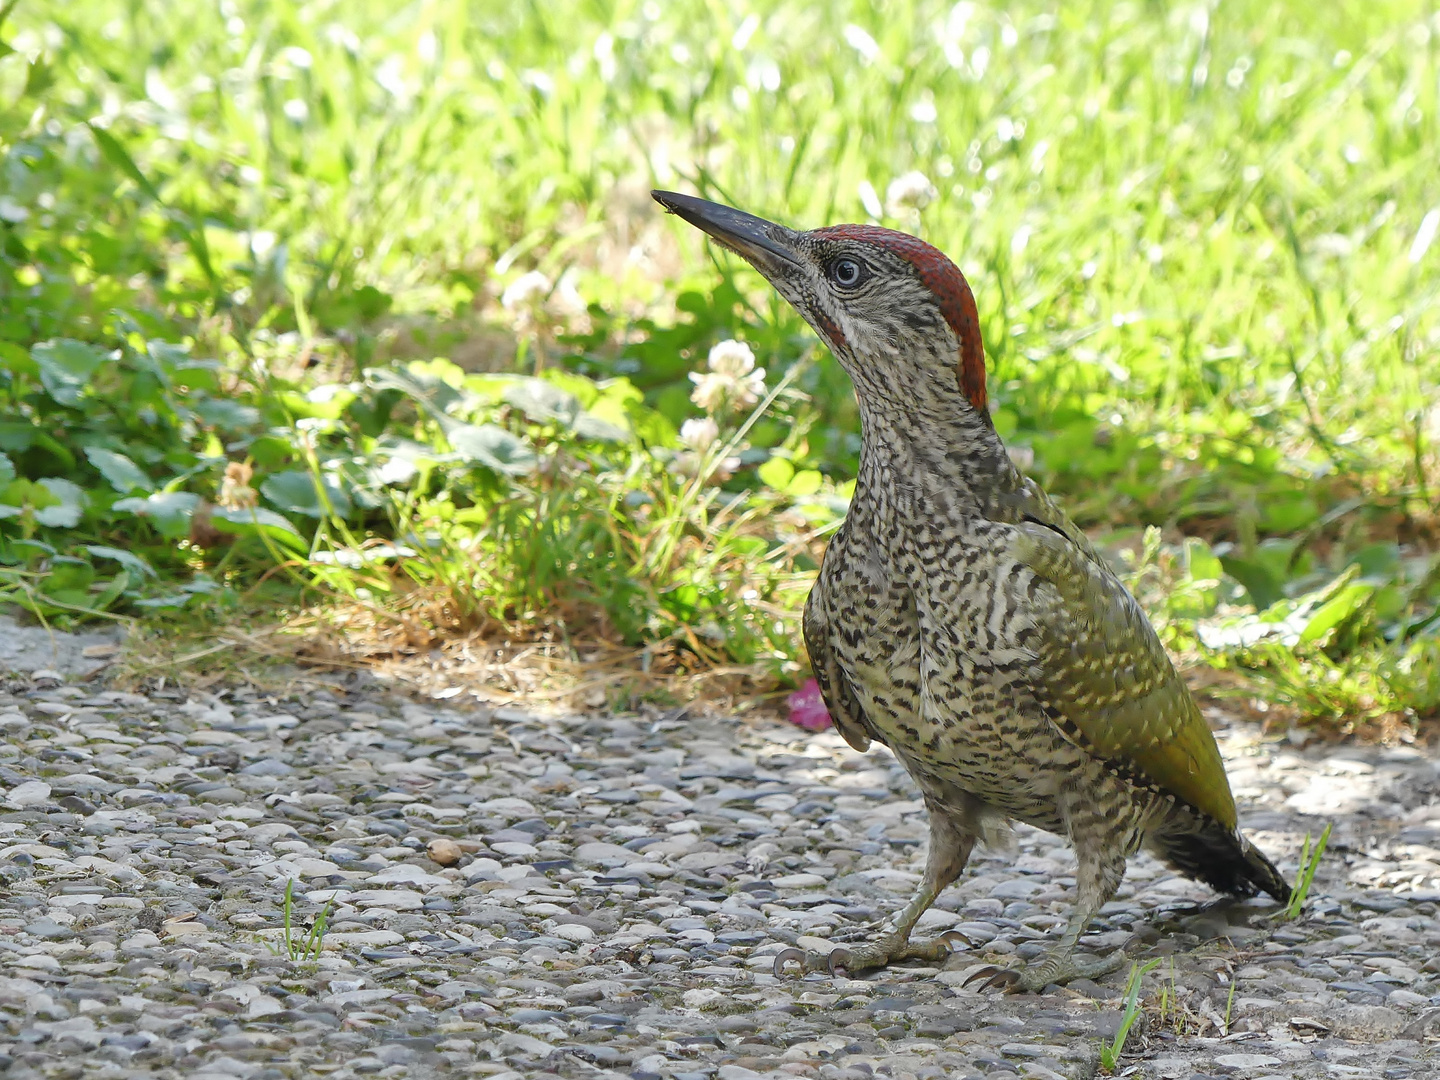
(267, 767)
(50, 930)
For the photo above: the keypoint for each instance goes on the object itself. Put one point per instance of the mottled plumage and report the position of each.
(962, 620)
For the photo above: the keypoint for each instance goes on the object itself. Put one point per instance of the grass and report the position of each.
(1110, 1052)
(312, 944)
(1203, 242)
(1305, 877)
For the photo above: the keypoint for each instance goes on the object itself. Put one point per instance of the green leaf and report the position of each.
(69, 504)
(416, 382)
(325, 402)
(295, 492)
(1287, 513)
(169, 510)
(776, 473)
(109, 593)
(118, 470)
(486, 444)
(68, 574)
(118, 156)
(226, 415)
(66, 367)
(175, 600)
(17, 437)
(806, 482)
(200, 586)
(1338, 609)
(542, 402)
(257, 520)
(17, 360)
(1264, 572)
(127, 559)
(588, 426)
(650, 427)
(7, 469)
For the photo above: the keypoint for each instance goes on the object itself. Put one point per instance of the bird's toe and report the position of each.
(990, 975)
(840, 960)
(787, 956)
(955, 939)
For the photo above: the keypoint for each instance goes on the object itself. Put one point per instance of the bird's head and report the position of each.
(897, 313)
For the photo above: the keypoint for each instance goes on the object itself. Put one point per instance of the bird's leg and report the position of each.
(1096, 880)
(951, 842)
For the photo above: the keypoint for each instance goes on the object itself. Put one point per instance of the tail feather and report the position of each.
(1223, 859)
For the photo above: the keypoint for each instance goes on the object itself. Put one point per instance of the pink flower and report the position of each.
(807, 708)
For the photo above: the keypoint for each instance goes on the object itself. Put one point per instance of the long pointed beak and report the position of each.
(754, 239)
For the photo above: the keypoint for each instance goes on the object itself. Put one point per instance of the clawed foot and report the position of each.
(1058, 969)
(888, 950)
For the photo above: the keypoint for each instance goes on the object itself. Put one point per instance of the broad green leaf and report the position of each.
(7, 469)
(542, 402)
(69, 503)
(1199, 594)
(1378, 560)
(226, 415)
(295, 492)
(119, 471)
(169, 510)
(1201, 563)
(200, 586)
(776, 473)
(16, 437)
(170, 356)
(1287, 513)
(16, 360)
(269, 451)
(434, 393)
(805, 482)
(651, 427)
(33, 549)
(257, 520)
(67, 573)
(326, 402)
(588, 426)
(585, 390)
(486, 444)
(66, 367)
(127, 559)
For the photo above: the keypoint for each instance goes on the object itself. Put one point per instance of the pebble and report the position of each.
(444, 851)
(515, 892)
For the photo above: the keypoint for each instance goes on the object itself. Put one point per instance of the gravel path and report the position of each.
(518, 895)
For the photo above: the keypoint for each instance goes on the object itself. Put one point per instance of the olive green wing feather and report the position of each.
(1104, 677)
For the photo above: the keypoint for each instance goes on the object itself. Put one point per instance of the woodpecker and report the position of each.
(962, 620)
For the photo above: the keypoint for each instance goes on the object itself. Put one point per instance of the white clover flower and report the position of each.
(525, 291)
(699, 434)
(688, 462)
(733, 378)
(913, 191)
(732, 358)
(710, 390)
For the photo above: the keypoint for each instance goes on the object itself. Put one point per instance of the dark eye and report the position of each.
(846, 272)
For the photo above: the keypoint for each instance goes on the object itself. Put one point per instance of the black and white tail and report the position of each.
(1221, 858)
